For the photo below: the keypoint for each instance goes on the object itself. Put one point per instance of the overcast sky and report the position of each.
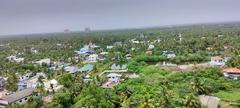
(40, 16)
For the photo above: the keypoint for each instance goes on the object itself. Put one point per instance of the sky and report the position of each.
(44, 16)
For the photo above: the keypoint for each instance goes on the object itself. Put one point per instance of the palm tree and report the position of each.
(191, 101)
(164, 97)
(198, 86)
(145, 103)
(123, 99)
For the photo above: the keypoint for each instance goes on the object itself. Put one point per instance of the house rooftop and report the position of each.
(18, 95)
(118, 67)
(53, 81)
(231, 70)
(216, 58)
(128, 55)
(71, 69)
(86, 67)
(113, 75)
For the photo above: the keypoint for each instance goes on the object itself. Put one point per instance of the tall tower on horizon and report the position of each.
(87, 29)
(66, 30)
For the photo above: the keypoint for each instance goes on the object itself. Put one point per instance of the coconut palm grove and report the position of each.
(186, 66)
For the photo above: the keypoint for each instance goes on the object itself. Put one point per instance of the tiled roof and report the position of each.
(231, 70)
(216, 58)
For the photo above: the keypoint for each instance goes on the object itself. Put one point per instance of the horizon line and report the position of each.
(115, 29)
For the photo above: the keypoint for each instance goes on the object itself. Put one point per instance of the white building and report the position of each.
(151, 46)
(52, 85)
(15, 59)
(157, 41)
(169, 54)
(217, 61)
(59, 44)
(44, 61)
(133, 49)
(134, 41)
(118, 67)
(128, 56)
(87, 49)
(33, 81)
(29, 81)
(109, 47)
(92, 58)
(33, 50)
(25, 77)
(114, 77)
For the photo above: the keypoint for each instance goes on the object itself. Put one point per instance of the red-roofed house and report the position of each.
(233, 73)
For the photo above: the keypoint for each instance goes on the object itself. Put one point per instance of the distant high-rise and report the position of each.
(87, 29)
(66, 30)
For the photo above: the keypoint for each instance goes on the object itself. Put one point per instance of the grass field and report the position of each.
(229, 96)
(229, 99)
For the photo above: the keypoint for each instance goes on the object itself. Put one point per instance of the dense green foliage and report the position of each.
(154, 88)
(234, 62)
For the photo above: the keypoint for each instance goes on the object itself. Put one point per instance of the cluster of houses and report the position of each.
(87, 48)
(228, 72)
(113, 80)
(29, 82)
(143, 41)
(114, 75)
(73, 69)
(87, 53)
(15, 58)
(46, 61)
(216, 61)
(26, 87)
(34, 51)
